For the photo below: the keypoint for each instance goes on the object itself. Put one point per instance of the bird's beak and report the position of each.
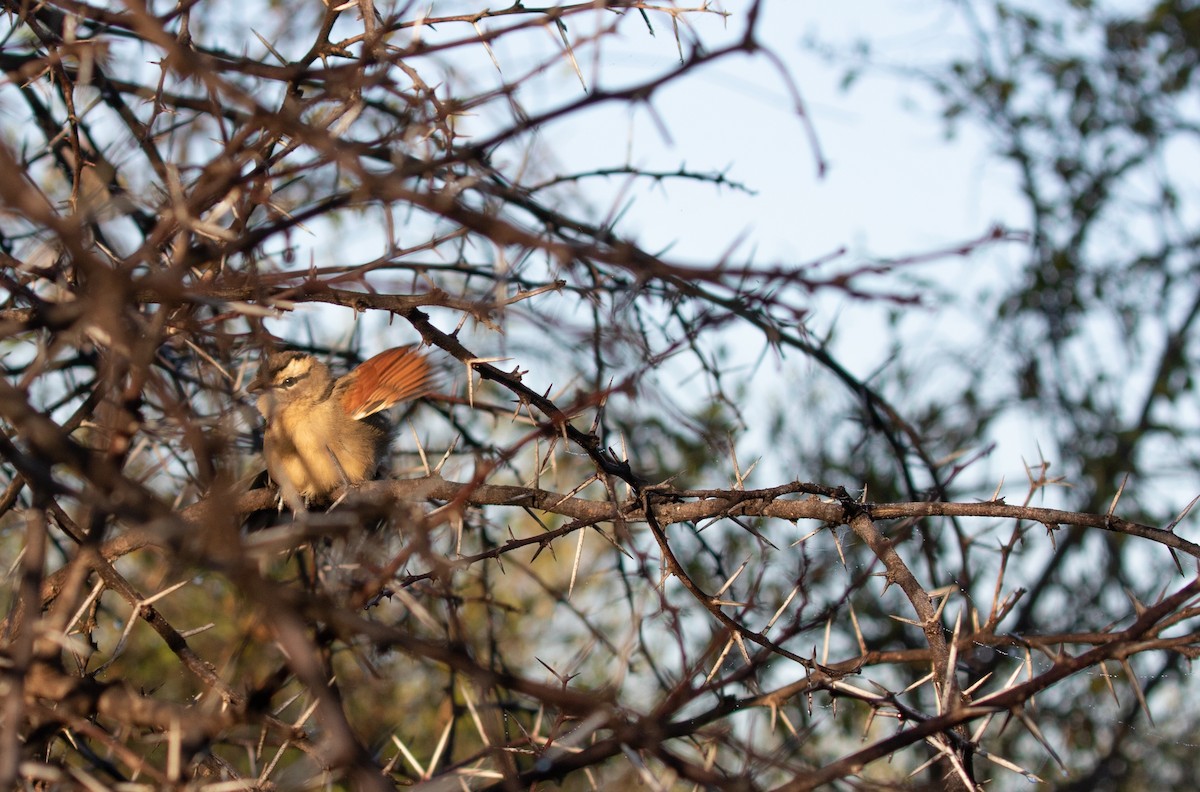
(257, 385)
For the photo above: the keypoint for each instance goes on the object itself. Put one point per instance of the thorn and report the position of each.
(720, 659)
(1117, 497)
(1138, 607)
(949, 684)
(1037, 734)
(1104, 672)
(862, 642)
(1137, 690)
(825, 646)
(730, 579)
(1175, 558)
(1182, 514)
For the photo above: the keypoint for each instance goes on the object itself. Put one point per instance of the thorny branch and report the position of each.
(543, 598)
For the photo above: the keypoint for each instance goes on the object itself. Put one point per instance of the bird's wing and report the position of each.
(386, 379)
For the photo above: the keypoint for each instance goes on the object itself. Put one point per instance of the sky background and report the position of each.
(896, 184)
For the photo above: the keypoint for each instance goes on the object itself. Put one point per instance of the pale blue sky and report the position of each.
(895, 185)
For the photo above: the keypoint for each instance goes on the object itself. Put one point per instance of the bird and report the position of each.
(322, 432)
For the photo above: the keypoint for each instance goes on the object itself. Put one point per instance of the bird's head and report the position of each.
(288, 378)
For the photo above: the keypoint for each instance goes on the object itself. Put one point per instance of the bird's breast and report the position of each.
(316, 451)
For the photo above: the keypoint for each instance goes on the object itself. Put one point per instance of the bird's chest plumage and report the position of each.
(315, 450)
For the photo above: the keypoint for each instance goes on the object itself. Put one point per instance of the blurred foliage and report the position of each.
(1091, 346)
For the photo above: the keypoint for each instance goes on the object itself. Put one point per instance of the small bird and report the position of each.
(321, 432)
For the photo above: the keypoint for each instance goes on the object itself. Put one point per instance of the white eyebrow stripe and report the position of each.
(295, 368)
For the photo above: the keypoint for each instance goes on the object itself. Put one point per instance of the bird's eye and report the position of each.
(288, 382)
